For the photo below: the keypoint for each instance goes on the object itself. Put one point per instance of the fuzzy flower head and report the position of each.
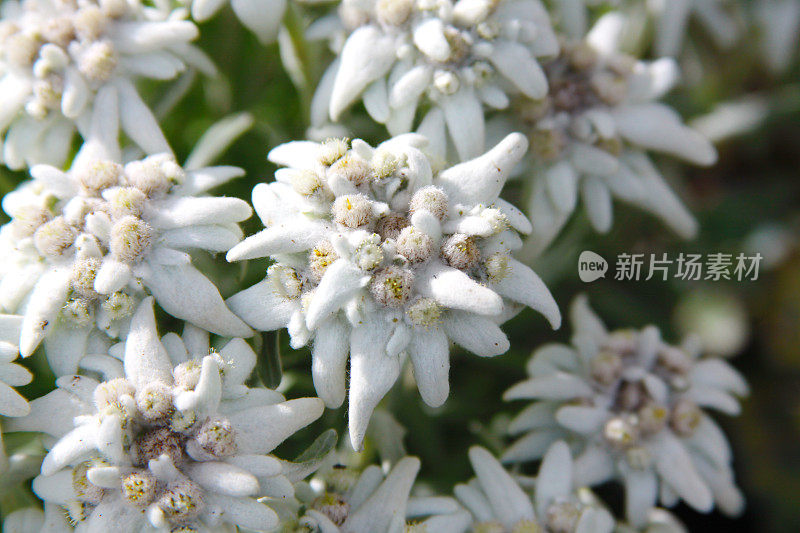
(633, 408)
(380, 257)
(172, 436)
(591, 135)
(85, 245)
(58, 57)
(454, 57)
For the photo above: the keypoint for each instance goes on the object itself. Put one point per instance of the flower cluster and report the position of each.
(57, 57)
(377, 255)
(632, 406)
(171, 437)
(84, 245)
(591, 134)
(454, 57)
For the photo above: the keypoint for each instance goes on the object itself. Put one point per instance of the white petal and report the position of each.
(112, 276)
(329, 361)
(223, 478)
(341, 281)
(559, 386)
(582, 419)
(137, 120)
(372, 374)
(261, 307)
(185, 293)
(641, 490)
(74, 445)
(597, 200)
(42, 309)
(430, 355)
(475, 333)
(554, 481)
(674, 465)
(515, 62)
(146, 360)
(454, 289)
(260, 429)
(376, 100)
(463, 114)
(367, 55)
(657, 127)
(509, 502)
(481, 179)
(524, 286)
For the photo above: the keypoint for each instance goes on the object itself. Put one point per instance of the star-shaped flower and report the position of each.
(172, 438)
(632, 406)
(379, 256)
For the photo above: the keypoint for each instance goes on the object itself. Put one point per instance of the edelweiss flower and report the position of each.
(85, 245)
(779, 22)
(57, 57)
(632, 407)
(454, 57)
(672, 18)
(499, 504)
(262, 17)
(378, 256)
(591, 135)
(172, 438)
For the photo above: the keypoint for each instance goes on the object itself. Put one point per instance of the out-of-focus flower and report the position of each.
(499, 504)
(591, 136)
(779, 25)
(573, 15)
(85, 245)
(632, 407)
(672, 18)
(262, 17)
(172, 438)
(452, 57)
(57, 58)
(717, 318)
(378, 256)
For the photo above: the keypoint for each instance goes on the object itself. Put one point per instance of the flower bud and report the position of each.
(353, 169)
(352, 210)
(182, 501)
(28, 220)
(182, 421)
(368, 255)
(414, 245)
(187, 374)
(84, 271)
(620, 432)
(119, 305)
(99, 61)
(460, 251)
(78, 311)
(285, 281)
(391, 286)
(139, 489)
(319, 259)
(154, 400)
(333, 506)
(99, 175)
(307, 183)
(125, 201)
(156, 442)
(130, 239)
(108, 393)
(424, 312)
(53, 238)
(497, 267)
(606, 367)
(383, 163)
(90, 22)
(652, 418)
(685, 417)
(446, 82)
(217, 437)
(562, 517)
(332, 150)
(393, 12)
(431, 199)
(389, 226)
